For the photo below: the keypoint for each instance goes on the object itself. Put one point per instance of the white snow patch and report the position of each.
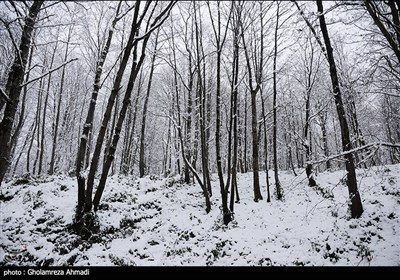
(159, 221)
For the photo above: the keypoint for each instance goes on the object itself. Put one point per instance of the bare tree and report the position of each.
(151, 26)
(46, 101)
(220, 41)
(107, 114)
(185, 158)
(13, 88)
(278, 187)
(57, 120)
(90, 115)
(201, 98)
(390, 29)
(233, 120)
(356, 205)
(253, 93)
(144, 112)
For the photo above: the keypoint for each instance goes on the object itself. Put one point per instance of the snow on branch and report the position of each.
(48, 72)
(376, 145)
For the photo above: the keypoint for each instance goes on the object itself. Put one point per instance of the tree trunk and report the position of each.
(136, 65)
(309, 171)
(234, 106)
(116, 135)
(39, 109)
(22, 117)
(107, 114)
(201, 96)
(13, 88)
(30, 134)
(265, 147)
(184, 156)
(110, 130)
(256, 176)
(355, 205)
(279, 192)
(253, 94)
(54, 145)
(188, 122)
(35, 128)
(167, 151)
(144, 113)
(46, 100)
(245, 163)
(132, 154)
(226, 214)
(323, 118)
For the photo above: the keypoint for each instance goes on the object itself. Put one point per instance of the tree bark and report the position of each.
(136, 65)
(309, 171)
(184, 156)
(265, 147)
(278, 187)
(13, 89)
(253, 95)
(132, 151)
(107, 114)
(144, 113)
(355, 205)
(201, 96)
(116, 135)
(234, 106)
(46, 100)
(325, 140)
(227, 216)
(54, 144)
(22, 117)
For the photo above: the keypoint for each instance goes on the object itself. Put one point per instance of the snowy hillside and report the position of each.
(160, 222)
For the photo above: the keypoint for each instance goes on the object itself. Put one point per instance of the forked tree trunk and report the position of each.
(107, 114)
(136, 65)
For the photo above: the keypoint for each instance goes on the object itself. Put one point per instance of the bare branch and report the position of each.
(124, 13)
(312, 29)
(4, 95)
(376, 144)
(51, 4)
(12, 40)
(48, 72)
(156, 25)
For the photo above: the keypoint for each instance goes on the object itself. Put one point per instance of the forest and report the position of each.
(256, 133)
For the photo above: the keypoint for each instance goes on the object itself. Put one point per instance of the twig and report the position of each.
(49, 72)
(376, 144)
(5, 96)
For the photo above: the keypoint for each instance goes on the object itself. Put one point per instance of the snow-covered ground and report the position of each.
(158, 222)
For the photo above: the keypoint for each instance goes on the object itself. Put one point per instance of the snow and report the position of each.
(159, 221)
